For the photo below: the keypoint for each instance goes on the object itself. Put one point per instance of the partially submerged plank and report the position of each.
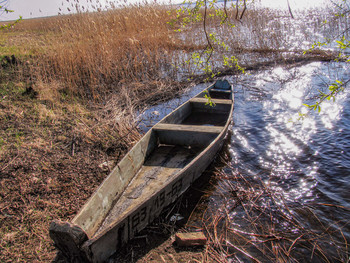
(190, 239)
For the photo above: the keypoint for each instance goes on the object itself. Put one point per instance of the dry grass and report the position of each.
(96, 54)
(93, 54)
(67, 106)
(251, 222)
(51, 148)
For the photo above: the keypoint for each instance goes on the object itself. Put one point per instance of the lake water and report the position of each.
(303, 164)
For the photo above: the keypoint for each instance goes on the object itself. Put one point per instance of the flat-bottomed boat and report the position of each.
(151, 176)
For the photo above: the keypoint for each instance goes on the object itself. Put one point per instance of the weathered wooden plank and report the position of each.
(190, 239)
(216, 108)
(206, 118)
(222, 85)
(100, 247)
(162, 166)
(187, 128)
(179, 114)
(69, 238)
(95, 210)
(216, 101)
(220, 90)
(185, 138)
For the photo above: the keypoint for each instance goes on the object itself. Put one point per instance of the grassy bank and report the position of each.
(70, 87)
(50, 154)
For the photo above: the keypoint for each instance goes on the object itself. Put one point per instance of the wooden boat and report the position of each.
(156, 171)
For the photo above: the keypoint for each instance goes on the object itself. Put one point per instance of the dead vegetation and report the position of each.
(55, 150)
(273, 229)
(68, 100)
(51, 151)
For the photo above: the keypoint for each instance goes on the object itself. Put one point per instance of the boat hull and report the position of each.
(100, 248)
(158, 169)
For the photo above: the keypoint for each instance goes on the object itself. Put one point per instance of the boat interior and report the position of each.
(165, 150)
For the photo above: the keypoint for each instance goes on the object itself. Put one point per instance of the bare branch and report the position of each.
(244, 9)
(290, 10)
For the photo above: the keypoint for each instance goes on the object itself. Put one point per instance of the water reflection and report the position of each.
(305, 163)
(283, 146)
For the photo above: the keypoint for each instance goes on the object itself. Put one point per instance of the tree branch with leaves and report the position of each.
(342, 42)
(201, 12)
(4, 10)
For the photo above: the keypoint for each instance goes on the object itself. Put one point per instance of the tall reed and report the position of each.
(93, 54)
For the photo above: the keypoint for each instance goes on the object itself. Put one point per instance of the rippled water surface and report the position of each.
(306, 162)
(306, 159)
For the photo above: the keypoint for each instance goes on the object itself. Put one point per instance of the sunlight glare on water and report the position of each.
(280, 142)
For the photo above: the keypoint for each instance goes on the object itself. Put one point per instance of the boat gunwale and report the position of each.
(87, 203)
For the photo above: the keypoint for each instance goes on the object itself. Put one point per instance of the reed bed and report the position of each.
(261, 35)
(95, 54)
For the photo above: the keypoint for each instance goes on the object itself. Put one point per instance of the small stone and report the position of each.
(190, 239)
(106, 166)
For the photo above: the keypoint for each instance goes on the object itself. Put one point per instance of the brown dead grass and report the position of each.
(96, 54)
(49, 164)
(67, 107)
(52, 146)
(254, 223)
